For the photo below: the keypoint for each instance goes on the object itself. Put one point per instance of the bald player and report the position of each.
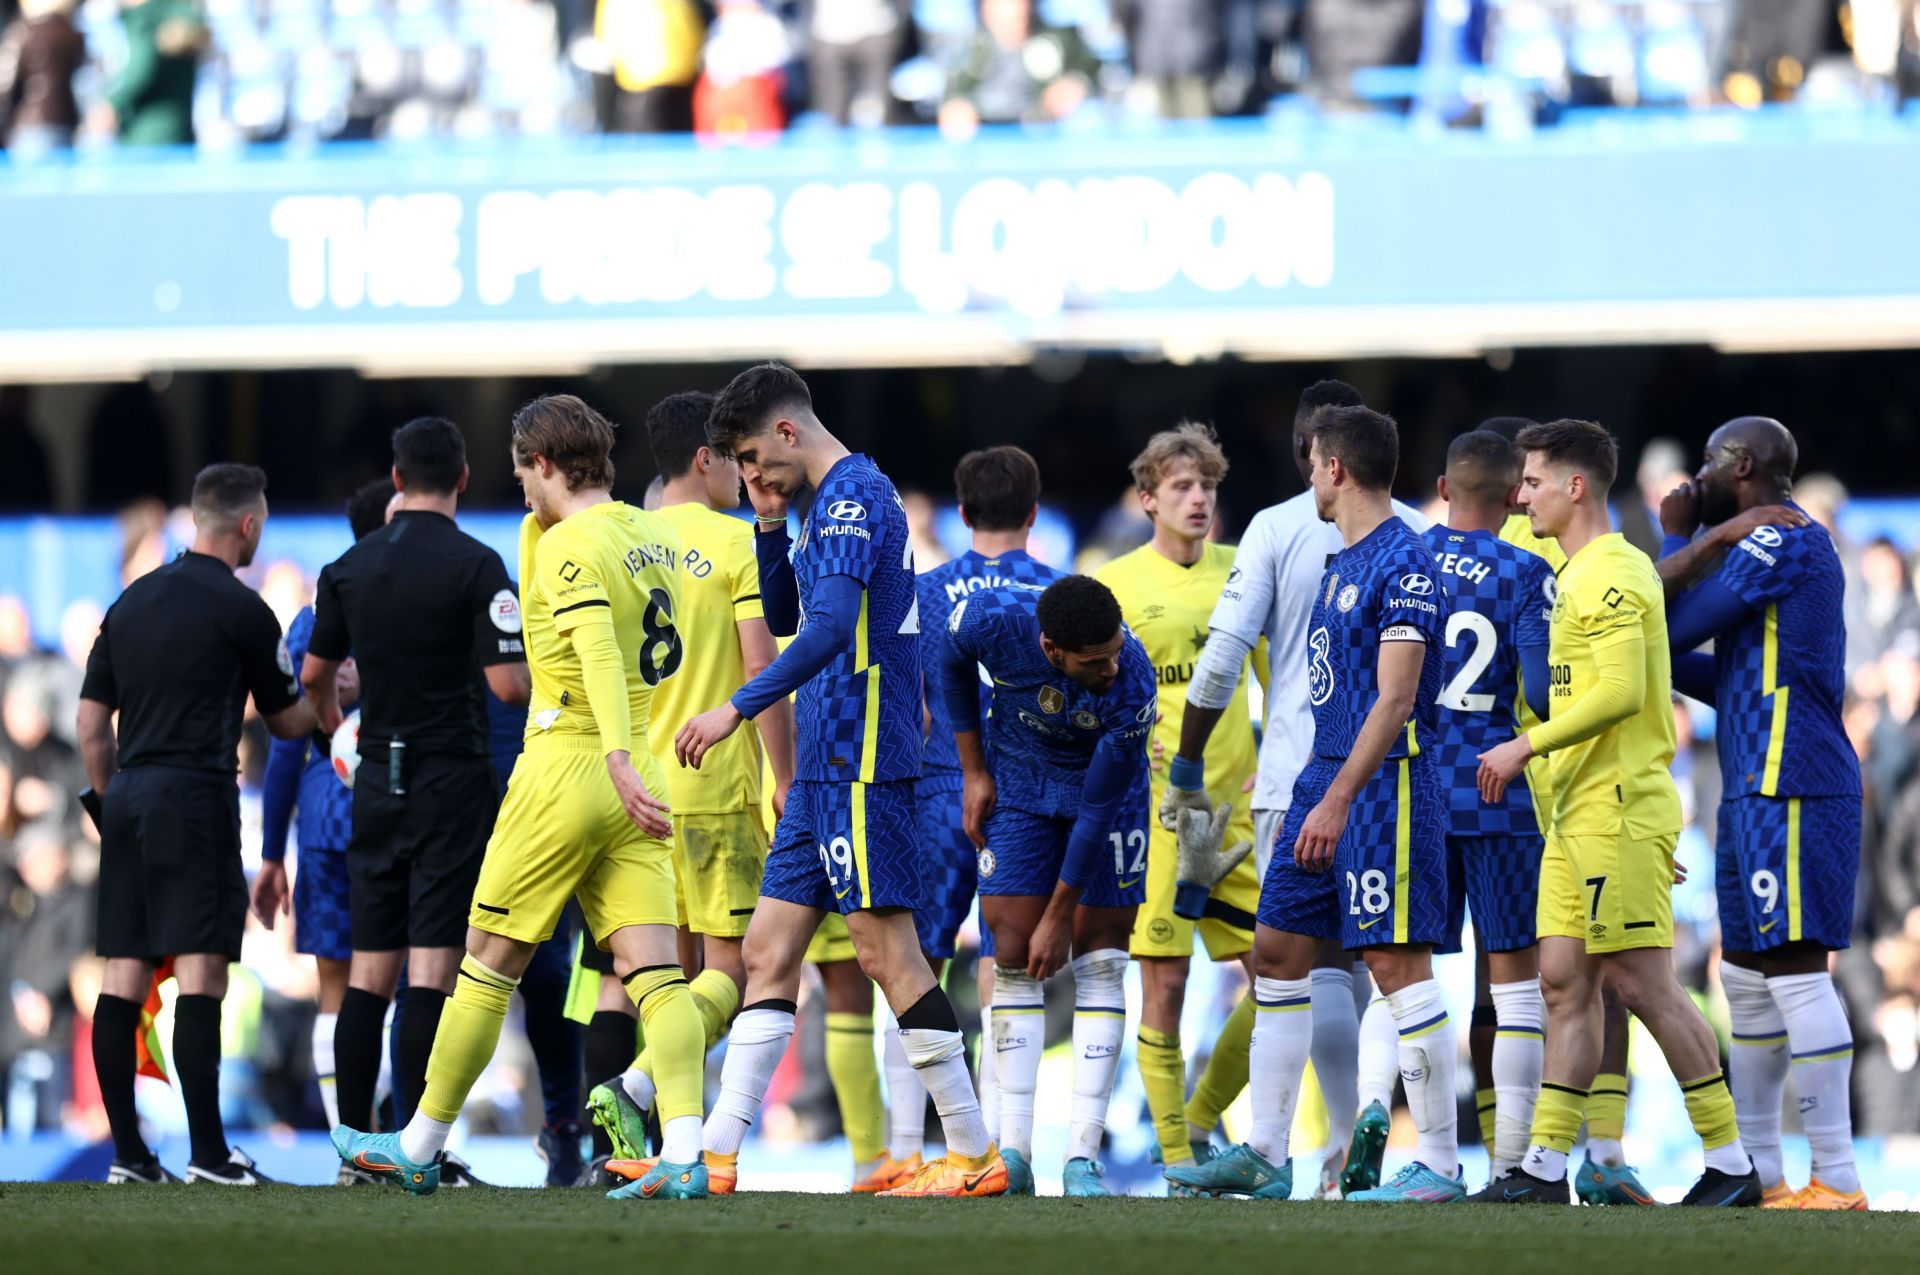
(1788, 848)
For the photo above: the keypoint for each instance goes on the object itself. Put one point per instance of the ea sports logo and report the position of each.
(1418, 585)
(847, 511)
(1768, 536)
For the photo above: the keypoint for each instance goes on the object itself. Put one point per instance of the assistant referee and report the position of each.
(177, 656)
(425, 609)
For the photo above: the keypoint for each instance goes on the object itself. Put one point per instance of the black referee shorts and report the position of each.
(170, 876)
(414, 859)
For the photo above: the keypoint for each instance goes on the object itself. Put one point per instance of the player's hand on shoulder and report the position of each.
(1746, 522)
(648, 812)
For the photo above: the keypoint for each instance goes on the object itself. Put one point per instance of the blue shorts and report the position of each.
(948, 863)
(1388, 885)
(322, 921)
(846, 847)
(1499, 878)
(1025, 851)
(1784, 871)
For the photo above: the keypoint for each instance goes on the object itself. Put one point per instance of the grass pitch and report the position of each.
(160, 1230)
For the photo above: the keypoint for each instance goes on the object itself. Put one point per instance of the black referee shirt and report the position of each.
(423, 607)
(178, 655)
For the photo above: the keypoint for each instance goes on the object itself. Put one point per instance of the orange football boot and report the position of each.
(952, 1177)
(1817, 1195)
(888, 1173)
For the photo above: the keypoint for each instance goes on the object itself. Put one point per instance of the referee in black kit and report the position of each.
(426, 610)
(177, 656)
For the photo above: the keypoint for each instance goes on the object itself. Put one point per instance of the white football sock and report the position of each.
(939, 1058)
(680, 1140)
(383, 1083)
(1336, 1054)
(424, 1137)
(1277, 1059)
(1756, 1067)
(755, 1046)
(989, 1072)
(639, 1087)
(1429, 1056)
(1019, 1033)
(906, 1096)
(323, 1025)
(1099, 1025)
(1379, 1060)
(1519, 1054)
(1822, 1043)
(1545, 1163)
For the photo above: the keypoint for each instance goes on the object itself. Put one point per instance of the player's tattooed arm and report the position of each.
(1398, 673)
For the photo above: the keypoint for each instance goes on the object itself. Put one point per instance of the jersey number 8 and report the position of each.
(661, 653)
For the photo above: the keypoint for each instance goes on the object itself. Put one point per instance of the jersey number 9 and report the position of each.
(660, 654)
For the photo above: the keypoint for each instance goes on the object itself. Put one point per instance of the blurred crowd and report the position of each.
(170, 72)
(49, 850)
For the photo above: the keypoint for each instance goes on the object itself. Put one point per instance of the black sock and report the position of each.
(357, 1041)
(932, 1012)
(196, 1065)
(418, 1024)
(115, 1023)
(609, 1049)
(555, 1041)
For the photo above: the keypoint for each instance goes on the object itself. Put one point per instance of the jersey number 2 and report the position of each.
(661, 652)
(1458, 695)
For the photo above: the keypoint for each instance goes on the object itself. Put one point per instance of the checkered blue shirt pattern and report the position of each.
(942, 589)
(1502, 597)
(857, 527)
(1386, 580)
(1045, 727)
(1792, 578)
(323, 811)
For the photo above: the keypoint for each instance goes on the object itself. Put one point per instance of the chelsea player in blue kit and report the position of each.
(1496, 643)
(999, 491)
(1788, 850)
(1056, 799)
(1361, 856)
(847, 839)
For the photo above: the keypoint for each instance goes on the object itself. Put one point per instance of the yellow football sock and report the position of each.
(1556, 1117)
(676, 1038)
(1483, 1106)
(1226, 1073)
(718, 998)
(855, 1074)
(1710, 1108)
(464, 1043)
(1163, 1074)
(1607, 1107)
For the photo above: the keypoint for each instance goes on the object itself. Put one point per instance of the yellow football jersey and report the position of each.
(1518, 530)
(719, 587)
(1609, 593)
(1168, 607)
(612, 556)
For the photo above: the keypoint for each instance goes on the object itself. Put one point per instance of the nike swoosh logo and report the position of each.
(650, 1189)
(372, 1166)
(1769, 925)
(973, 1183)
(841, 894)
(1514, 1195)
(1128, 885)
(1367, 925)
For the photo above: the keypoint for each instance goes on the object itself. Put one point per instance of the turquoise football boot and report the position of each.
(1239, 1171)
(1414, 1184)
(666, 1182)
(1598, 1183)
(1019, 1173)
(1084, 1178)
(379, 1154)
(1369, 1146)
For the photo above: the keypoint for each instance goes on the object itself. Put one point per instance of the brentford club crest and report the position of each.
(1051, 700)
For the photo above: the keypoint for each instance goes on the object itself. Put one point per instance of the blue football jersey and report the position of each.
(1045, 727)
(1379, 588)
(1501, 597)
(942, 589)
(323, 809)
(859, 718)
(1782, 674)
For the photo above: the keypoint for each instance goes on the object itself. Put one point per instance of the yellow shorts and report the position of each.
(831, 942)
(562, 832)
(1227, 927)
(1615, 892)
(717, 860)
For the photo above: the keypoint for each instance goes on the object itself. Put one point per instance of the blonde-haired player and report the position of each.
(583, 813)
(719, 833)
(1167, 590)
